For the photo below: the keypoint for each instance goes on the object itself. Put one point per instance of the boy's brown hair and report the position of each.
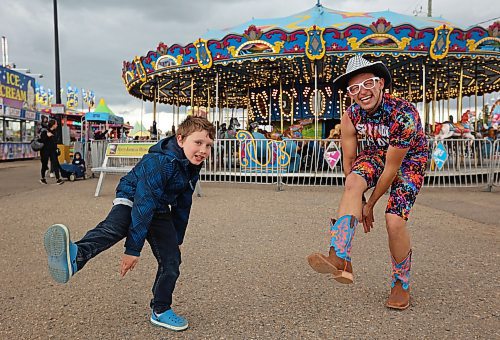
(192, 124)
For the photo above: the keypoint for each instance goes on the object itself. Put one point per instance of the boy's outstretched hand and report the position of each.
(128, 262)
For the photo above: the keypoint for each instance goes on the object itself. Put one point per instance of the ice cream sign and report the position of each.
(17, 91)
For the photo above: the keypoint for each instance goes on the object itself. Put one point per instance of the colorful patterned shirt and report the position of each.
(395, 123)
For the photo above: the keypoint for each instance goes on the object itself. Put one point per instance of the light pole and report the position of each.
(56, 49)
(58, 75)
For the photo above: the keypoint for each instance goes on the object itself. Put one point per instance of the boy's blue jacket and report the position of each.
(163, 177)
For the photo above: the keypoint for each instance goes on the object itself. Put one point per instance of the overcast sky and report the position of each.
(95, 37)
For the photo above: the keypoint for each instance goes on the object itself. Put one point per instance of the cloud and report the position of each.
(134, 111)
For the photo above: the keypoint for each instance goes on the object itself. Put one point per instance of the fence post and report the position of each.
(278, 167)
(491, 176)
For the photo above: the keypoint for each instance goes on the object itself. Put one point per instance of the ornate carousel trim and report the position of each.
(357, 45)
(315, 44)
(472, 45)
(170, 61)
(440, 45)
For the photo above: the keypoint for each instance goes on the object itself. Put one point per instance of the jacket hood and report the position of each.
(170, 147)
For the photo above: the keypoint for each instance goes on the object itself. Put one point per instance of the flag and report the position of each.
(91, 101)
(50, 96)
(77, 97)
(72, 98)
(85, 95)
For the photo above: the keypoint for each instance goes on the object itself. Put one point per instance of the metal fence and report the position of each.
(92, 152)
(469, 163)
(301, 162)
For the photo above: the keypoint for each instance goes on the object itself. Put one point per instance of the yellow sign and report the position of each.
(128, 149)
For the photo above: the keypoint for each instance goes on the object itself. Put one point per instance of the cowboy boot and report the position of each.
(338, 261)
(400, 285)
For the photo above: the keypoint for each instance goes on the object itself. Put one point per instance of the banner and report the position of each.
(440, 155)
(129, 149)
(17, 91)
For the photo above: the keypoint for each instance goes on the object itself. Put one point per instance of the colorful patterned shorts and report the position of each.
(369, 164)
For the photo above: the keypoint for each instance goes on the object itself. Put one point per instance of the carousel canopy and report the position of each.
(277, 63)
(325, 17)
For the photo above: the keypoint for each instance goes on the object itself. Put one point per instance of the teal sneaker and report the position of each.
(61, 253)
(170, 320)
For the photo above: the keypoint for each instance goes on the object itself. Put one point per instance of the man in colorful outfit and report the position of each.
(395, 157)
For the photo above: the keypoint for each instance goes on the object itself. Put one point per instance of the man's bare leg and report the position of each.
(350, 203)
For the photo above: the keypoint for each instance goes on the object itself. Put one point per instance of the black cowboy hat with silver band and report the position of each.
(357, 65)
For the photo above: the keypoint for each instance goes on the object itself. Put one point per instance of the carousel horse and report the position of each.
(234, 126)
(227, 147)
(292, 145)
(461, 130)
(335, 132)
(294, 131)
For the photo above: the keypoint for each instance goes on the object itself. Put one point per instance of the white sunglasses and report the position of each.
(367, 84)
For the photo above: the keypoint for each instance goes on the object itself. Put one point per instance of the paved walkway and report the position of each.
(244, 273)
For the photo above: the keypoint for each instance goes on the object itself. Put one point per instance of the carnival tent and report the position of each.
(139, 130)
(144, 133)
(102, 113)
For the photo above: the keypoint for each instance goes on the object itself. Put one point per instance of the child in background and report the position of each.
(76, 168)
(152, 203)
(78, 161)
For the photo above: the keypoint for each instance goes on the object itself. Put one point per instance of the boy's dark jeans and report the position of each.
(162, 238)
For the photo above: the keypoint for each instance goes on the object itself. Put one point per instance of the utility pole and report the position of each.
(56, 48)
(429, 8)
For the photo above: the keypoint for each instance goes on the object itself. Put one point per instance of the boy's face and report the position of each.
(196, 146)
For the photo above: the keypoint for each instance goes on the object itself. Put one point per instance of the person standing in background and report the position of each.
(49, 151)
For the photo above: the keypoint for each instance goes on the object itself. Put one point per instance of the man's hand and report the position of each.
(128, 262)
(367, 217)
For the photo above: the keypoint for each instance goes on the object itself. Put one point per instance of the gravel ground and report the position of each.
(244, 272)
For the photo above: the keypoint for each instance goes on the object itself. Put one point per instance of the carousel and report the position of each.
(279, 71)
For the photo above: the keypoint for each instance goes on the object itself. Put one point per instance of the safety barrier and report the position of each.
(455, 163)
(460, 163)
(93, 152)
(302, 162)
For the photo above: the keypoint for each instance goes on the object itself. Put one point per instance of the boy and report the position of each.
(152, 203)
